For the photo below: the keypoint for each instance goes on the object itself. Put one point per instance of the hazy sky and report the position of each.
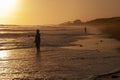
(57, 11)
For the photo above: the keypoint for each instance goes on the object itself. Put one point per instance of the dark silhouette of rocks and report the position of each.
(115, 76)
(81, 45)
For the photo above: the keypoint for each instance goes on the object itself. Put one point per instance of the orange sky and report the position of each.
(35, 12)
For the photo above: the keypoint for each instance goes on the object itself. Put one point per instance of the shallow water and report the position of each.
(60, 58)
(23, 37)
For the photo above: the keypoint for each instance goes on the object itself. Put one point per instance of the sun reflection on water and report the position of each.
(3, 54)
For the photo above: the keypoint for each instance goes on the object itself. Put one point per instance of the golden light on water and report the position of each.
(3, 54)
(7, 7)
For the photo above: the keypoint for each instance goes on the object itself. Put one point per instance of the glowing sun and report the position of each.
(7, 7)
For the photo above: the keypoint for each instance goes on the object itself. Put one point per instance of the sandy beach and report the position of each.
(66, 54)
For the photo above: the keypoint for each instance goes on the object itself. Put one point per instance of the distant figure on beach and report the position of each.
(85, 29)
(37, 40)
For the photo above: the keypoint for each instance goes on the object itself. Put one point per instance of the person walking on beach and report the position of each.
(37, 40)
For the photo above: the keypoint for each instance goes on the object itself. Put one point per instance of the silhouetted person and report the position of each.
(85, 29)
(37, 40)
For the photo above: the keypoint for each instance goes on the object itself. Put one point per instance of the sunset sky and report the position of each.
(39, 12)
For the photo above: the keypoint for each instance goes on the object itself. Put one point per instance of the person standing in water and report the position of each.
(37, 40)
(85, 29)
